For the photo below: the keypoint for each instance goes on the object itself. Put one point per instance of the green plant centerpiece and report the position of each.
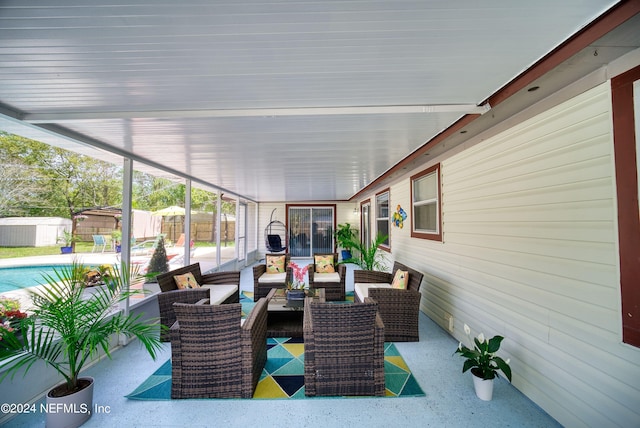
(483, 362)
(345, 235)
(369, 257)
(68, 328)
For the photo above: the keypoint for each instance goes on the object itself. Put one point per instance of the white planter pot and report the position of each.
(484, 388)
(70, 411)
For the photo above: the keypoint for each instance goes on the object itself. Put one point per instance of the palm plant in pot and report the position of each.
(67, 329)
(67, 239)
(483, 363)
(369, 257)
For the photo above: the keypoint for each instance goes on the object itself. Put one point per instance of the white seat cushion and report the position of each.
(218, 293)
(361, 289)
(326, 277)
(270, 278)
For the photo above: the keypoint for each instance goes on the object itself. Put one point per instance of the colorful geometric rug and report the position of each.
(283, 375)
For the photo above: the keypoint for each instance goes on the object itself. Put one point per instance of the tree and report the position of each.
(158, 263)
(54, 181)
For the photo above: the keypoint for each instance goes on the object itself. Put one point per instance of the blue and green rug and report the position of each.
(283, 374)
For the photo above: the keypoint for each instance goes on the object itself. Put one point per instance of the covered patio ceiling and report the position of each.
(274, 100)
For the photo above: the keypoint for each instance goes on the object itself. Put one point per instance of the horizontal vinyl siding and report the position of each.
(529, 251)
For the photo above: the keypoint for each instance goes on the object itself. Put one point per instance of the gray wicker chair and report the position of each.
(213, 355)
(343, 349)
(399, 309)
(333, 290)
(261, 289)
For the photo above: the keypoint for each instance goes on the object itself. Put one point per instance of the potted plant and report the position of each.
(483, 362)
(369, 257)
(10, 319)
(116, 235)
(345, 236)
(67, 329)
(67, 239)
(295, 289)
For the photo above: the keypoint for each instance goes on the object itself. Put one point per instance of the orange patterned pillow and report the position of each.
(275, 264)
(186, 281)
(324, 264)
(400, 279)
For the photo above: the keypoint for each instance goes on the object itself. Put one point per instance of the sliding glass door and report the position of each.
(310, 230)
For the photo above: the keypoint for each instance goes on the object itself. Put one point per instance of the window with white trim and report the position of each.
(425, 204)
(382, 216)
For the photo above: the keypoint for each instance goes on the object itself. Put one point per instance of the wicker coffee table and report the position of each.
(284, 318)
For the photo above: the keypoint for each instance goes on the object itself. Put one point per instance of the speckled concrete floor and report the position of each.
(450, 400)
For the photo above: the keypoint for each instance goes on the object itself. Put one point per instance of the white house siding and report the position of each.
(530, 252)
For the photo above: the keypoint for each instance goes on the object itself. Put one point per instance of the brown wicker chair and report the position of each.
(171, 294)
(343, 349)
(399, 309)
(261, 287)
(166, 301)
(213, 355)
(334, 290)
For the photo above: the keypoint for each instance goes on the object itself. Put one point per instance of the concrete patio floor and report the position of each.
(450, 400)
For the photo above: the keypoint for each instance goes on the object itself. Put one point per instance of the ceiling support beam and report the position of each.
(61, 117)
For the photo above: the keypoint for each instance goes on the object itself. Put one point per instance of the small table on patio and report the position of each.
(284, 318)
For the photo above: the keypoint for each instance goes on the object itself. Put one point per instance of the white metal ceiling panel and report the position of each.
(151, 78)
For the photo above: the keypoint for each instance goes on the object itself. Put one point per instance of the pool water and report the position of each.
(16, 278)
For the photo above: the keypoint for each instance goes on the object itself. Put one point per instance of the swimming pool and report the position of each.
(16, 278)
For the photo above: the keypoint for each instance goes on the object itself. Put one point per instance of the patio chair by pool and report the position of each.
(147, 247)
(99, 242)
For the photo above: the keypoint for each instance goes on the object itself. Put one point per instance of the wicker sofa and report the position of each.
(333, 283)
(399, 308)
(218, 287)
(213, 354)
(343, 349)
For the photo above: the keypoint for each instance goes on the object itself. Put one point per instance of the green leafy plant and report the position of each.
(345, 235)
(69, 328)
(67, 238)
(116, 235)
(368, 258)
(482, 360)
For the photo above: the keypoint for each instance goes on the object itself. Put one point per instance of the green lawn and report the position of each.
(81, 247)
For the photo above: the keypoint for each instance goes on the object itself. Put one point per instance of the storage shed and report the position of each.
(32, 231)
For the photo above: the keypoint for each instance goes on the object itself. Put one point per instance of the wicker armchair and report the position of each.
(262, 284)
(334, 289)
(399, 309)
(166, 301)
(213, 355)
(343, 349)
(171, 294)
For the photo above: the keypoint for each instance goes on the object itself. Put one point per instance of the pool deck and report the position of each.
(205, 256)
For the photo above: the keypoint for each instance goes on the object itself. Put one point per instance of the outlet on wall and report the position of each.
(449, 319)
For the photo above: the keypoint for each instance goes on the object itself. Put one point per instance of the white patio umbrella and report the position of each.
(174, 211)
